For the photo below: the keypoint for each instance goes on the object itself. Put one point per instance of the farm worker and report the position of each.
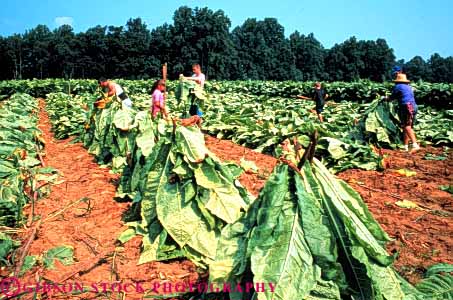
(319, 96)
(197, 76)
(407, 109)
(200, 79)
(117, 90)
(158, 99)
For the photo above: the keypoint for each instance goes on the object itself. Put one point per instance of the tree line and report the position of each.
(257, 50)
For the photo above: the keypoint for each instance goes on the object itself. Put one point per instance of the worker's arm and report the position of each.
(197, 79)
(303, 97)
(163, 109)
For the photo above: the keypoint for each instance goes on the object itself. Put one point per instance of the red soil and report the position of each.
(423, 237)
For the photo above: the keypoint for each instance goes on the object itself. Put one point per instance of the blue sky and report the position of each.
(416, 27)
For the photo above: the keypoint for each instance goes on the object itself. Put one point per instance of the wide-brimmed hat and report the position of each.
(401, 78)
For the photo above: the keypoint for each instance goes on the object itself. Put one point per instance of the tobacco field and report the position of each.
(286, 200)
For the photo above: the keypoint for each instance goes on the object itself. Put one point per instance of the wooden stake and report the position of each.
(164, 72)
(27, 248)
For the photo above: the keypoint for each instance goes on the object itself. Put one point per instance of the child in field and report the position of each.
(319, 96)
(158, 99)
(407, 109)
(197, 76)
(200, 79)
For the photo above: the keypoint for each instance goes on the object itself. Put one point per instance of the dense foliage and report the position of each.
(257, 50)
(434, 94)
(21, 177)
(19, 138)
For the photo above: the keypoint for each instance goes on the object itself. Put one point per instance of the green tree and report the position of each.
(417, 69)
(335, 63)
(183, 33)
(212, 41)
(309, 56)
(136, 39)
(161, 48)
(441, 68)
(95, 53)
(378, 59)
(14, 54)
(116, 52)
(64, 51)
(36, 52)
(263, 51)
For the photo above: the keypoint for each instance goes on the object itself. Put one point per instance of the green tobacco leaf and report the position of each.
(150, 244)
(6, 245)
(407, 204)
(231, 257)
(279, 253)
(358, 237)
(430, 156)
(181, 217)
(127, 235)
(29, 162)
(248, 166)
(336, 148)
(447, 188)
(29, 262)
(437, 287)
(145, 137)
(318, 234)
(190, 143)
(410, 292)
(65, 254)
(324, 290)
(154, 180)
(354, 213)
(123, 119)
(224, 199)
(439, 268)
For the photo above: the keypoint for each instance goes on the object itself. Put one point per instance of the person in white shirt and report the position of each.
(117, 90)
(197, 76)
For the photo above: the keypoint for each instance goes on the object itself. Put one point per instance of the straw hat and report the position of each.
(401, 78)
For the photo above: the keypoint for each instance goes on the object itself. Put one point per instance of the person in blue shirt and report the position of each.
(407, 109)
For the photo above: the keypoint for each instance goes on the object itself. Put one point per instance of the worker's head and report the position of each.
(317, 85)
(196, 68)
(102, 82)
(161, 85)
(158, 85)
(396, 70)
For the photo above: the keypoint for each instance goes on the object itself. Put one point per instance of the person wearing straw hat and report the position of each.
(407, 109)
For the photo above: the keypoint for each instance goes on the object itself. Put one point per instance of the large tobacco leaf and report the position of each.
(312, 236)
